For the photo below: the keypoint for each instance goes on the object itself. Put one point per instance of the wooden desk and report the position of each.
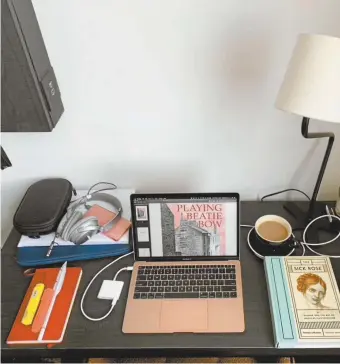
(105, 339)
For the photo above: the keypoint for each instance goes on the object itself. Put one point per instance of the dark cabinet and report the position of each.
(30, 96)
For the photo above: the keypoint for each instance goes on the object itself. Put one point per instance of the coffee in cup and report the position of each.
(273, 229)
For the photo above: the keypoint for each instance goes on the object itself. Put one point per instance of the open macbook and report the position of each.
(187, 273)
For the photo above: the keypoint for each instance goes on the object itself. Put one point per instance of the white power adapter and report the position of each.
(110, 290)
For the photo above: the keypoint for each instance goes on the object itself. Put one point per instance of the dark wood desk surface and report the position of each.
(105, 339)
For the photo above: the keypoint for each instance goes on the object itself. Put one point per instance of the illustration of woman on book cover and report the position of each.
(314, 289)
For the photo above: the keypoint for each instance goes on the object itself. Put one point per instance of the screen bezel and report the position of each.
(184, 196)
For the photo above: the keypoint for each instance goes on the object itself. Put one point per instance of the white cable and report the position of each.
(120, 270)
(89, 285)
(312, 222)
(303, 248)
(304, 242)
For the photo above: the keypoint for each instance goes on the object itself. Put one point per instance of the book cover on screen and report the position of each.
(193, 229)
(304, 300)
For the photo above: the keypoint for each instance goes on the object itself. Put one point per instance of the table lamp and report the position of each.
(311, 89)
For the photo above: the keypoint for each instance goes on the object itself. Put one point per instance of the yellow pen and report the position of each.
(33, 304)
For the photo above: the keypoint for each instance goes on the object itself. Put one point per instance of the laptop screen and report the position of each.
(185, 226)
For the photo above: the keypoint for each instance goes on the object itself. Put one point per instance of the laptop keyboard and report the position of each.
(186, 281)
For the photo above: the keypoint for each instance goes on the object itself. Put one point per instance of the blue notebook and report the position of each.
(304, 302)
(32, 252)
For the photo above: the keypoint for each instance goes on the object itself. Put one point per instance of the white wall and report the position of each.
(174, 95)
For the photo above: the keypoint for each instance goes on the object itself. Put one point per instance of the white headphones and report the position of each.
(77, 229)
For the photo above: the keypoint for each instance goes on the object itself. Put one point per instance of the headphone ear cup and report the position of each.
(71, 216)
(83, 229)
(82, 237)
(74, 219)
(61, 226)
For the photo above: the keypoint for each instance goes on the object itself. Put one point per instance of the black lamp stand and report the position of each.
(305, 216)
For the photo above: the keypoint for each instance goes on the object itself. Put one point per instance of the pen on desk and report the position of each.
(49, 251)
(56, 289)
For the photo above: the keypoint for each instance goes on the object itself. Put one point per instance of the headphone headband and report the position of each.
(77, 228)
(98, 196)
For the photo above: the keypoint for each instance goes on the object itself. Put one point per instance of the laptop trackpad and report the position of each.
(184, 316)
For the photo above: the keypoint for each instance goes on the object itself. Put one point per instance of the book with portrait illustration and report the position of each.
(304, 300)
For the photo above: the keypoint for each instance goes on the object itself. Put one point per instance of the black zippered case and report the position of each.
(43, 206)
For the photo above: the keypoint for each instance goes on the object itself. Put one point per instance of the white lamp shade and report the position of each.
(311, 87)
